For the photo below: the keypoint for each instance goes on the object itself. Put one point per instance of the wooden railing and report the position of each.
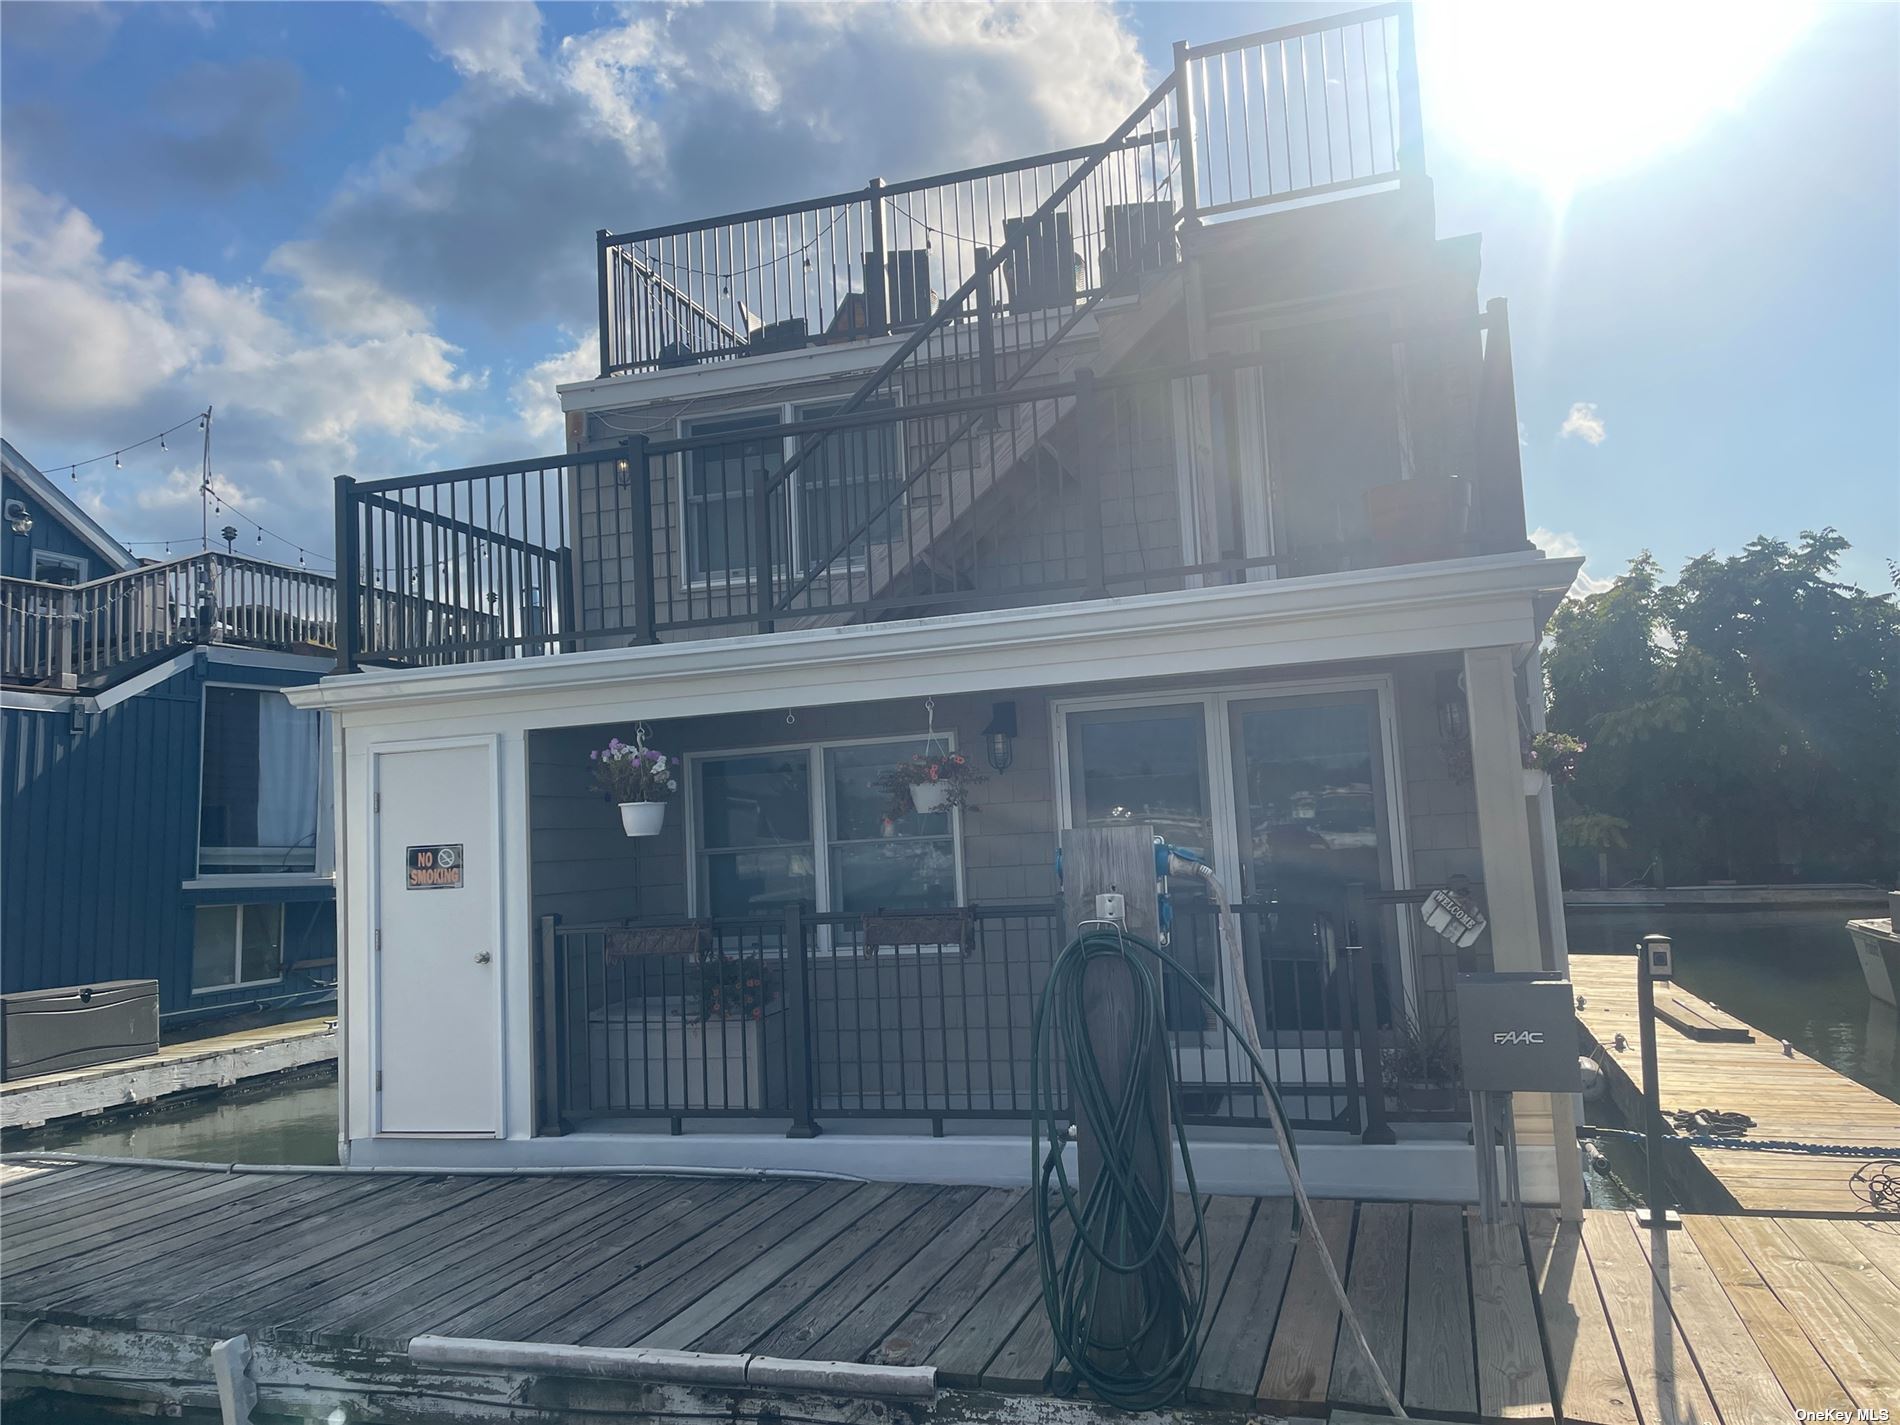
(64, 637)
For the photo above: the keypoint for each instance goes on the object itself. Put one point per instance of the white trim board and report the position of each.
(1435, 1171)
(1334, 618)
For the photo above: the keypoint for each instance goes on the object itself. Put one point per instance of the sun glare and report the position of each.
(1568, 94)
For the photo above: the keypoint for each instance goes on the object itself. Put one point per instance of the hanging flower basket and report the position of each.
(927, 783)
(642, 818)
(639, 779)
(1550, 759)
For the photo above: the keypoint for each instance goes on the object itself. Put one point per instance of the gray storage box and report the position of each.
(47, 1031)
(1518, 1033)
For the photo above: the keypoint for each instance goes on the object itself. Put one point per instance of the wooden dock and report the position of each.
(217, 1061)
(1791, 1097)
(118, 1279)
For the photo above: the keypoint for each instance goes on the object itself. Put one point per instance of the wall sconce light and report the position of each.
(999, 737)
(19, 518)
(1453, 719)
(623, 472)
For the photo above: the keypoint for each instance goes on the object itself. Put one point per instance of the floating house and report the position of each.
(1170, 480)
(166, 807)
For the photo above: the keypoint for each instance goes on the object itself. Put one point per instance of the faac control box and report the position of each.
(1518, 1033)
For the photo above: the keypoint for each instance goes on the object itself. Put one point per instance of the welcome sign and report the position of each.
(435, 868)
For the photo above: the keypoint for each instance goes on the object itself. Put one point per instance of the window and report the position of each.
(261, 781)
(237, 945)
(716, 486)
(850, 478)
(756, 828)
(51, 568)
(811, 825)
(877, 862)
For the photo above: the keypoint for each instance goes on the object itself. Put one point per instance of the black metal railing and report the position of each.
(1418, 1014)
(1285, 115)
(804, 1018)
(67, 636)
(1054, 491)
(463, 565)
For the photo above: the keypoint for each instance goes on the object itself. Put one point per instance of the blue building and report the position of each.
(165, 809)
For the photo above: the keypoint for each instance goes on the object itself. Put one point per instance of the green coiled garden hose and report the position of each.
(1115, 1242)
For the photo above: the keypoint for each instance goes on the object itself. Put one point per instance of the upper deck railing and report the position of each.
(62, 637)
(1283, 116)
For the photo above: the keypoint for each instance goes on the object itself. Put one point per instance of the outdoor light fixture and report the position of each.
(1453, 720)
(19, 518)
(1000, 735)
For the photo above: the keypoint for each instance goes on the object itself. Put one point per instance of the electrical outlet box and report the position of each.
(1659, 956)
(1109, 905)
(1517, 1033)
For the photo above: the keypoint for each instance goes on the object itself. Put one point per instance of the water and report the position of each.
(291, 1119)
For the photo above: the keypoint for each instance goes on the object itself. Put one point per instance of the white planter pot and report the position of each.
(642, 818)
(929, 797)
(1535, 780)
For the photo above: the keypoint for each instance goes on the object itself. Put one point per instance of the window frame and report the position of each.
(784, 412)
(322, 863)
(237, 944)
(78, 563)
(1216, 701)
(697, 888)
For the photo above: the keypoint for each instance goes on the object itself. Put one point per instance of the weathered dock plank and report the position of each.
(1375, 1285)
(1440, 1356)
(1735, 1319)
(217, 1061)
(1512, 1381)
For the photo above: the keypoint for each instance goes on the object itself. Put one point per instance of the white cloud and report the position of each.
(1559, 544)
(100, 349)
(488, 200)
(499, 40)
(1584, 423)
(537, 406)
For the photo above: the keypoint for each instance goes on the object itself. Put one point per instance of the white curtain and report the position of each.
(288, 751)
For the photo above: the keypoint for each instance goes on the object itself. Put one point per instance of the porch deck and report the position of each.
(1731, 1321)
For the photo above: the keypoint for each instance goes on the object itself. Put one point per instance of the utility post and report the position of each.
(1654, 962)
(1099, 860)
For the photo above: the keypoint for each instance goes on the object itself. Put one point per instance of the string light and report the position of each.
(73, 467)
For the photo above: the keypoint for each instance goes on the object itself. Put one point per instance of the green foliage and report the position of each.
(1743, 722)
(1417, 1055)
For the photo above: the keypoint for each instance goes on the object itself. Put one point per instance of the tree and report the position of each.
(1744, 722)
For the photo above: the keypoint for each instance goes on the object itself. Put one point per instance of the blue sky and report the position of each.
(363, 233)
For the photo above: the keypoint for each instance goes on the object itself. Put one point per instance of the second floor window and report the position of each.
(261, 781)
(845, 495)
(716, 496)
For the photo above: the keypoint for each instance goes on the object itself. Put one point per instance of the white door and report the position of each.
(438, 941)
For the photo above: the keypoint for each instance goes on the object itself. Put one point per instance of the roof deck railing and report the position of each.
(1282, 116)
